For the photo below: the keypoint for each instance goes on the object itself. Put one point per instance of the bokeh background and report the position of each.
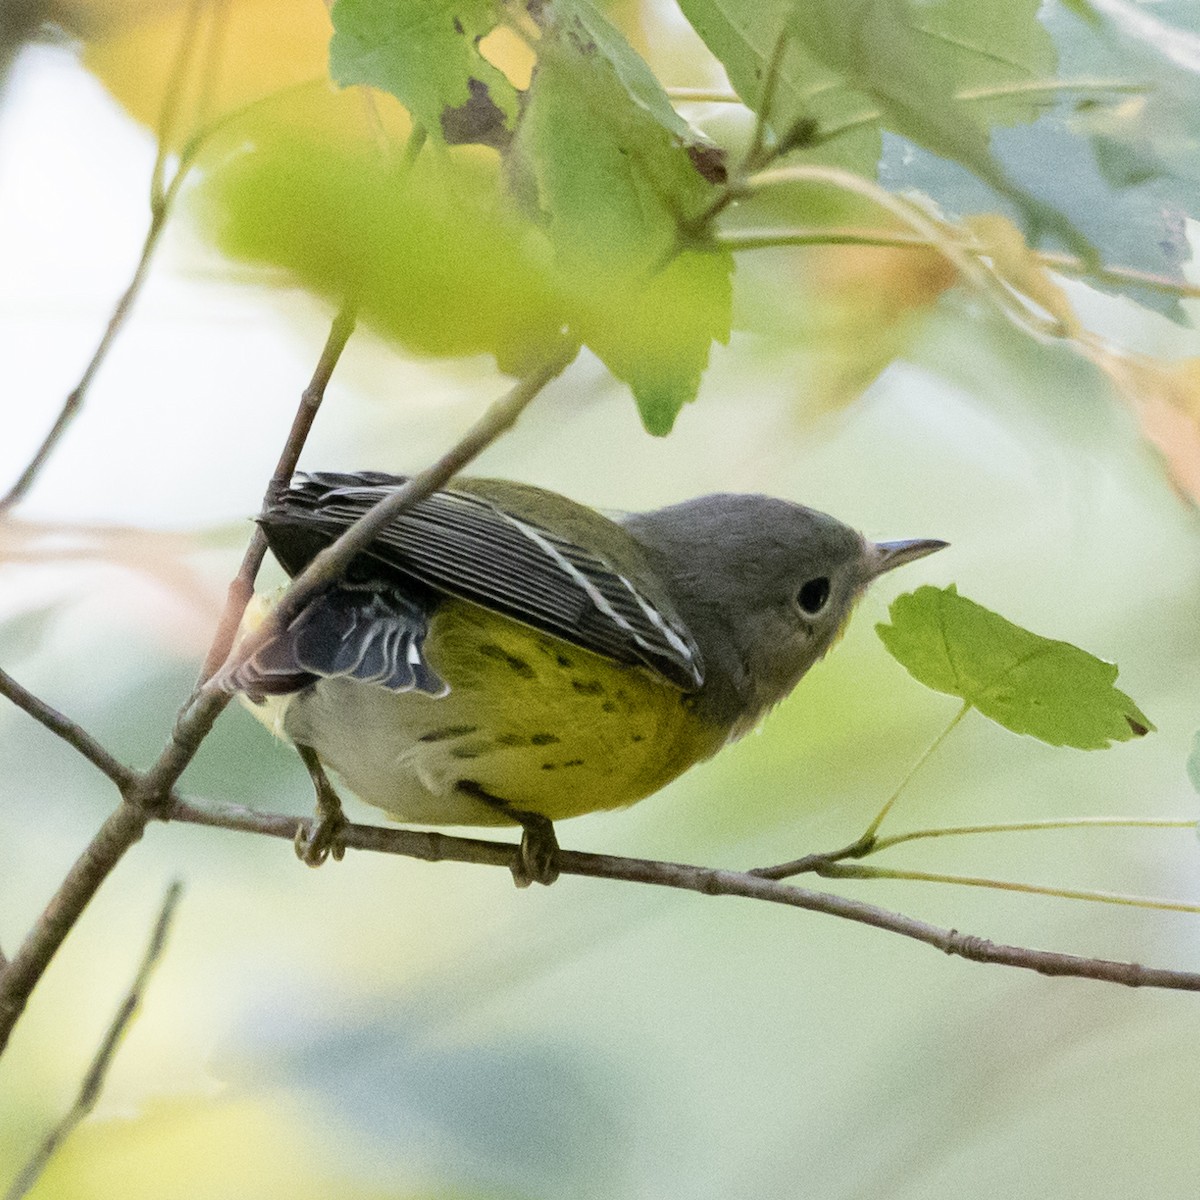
(381, 1028)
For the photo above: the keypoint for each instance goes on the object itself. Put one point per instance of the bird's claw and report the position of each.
(321, 840)
(536, 860)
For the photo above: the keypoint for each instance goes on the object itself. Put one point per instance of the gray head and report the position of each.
(765, 586)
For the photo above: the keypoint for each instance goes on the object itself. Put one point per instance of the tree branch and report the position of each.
(74, 735)
(145, 795)
(93, 1081)
(242, 586)
(440, 847)
(161, 200)
(329, 564)
(120, 831)
(140, 793)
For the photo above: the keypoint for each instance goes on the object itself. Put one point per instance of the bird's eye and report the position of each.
(813, 595)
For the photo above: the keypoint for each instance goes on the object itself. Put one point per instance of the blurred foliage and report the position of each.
(578, 198)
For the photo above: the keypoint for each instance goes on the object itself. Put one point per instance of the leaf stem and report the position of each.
(838, 870)
(93, 1081)
(866, 843)
(1066, 264)
(869, 833)
(886, 843)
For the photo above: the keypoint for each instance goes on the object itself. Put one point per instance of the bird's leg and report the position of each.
(536, 860)
(324, 839)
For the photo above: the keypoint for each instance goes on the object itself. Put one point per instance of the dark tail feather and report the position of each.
(366, 631)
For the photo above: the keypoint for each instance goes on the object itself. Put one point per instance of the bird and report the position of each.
(502, 655)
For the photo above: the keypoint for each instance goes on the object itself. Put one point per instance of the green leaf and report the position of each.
(1193, 763)
(431, 255)
(426, 54)
(614, 181)
(1050, 690)
(636, 77)
(743, 35)
(910, 66)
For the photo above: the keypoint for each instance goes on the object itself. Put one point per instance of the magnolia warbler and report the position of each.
(503, 655)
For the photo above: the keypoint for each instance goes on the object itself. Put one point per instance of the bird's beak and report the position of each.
(888, 555)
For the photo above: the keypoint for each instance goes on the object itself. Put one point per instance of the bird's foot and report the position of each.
(322, 839)
(536, 860)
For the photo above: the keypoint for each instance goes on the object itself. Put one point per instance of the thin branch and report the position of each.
(168, 112)
(838, 870)
(141, 793)
(1066, 264)
(1056, 87)
(241, 587)
(1022, 87)
(74, 401)
(440, 847)
(963, 259)
(898, 839)
(161, 201)
(821, 235)
(93, 1081)
(74, 735)
(692, 95)
(120, 831)
(333, 560)
(1069, 264)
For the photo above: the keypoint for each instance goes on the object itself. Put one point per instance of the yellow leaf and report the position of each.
(1002, 242)
(1165, 396)
(235, 53)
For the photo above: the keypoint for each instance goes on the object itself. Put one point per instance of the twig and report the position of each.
(898, 839)
(122, 829)
(1066, 264)
(161, 200)
(140, 792)
(961, 257)
(840, 870)
(333, 560)
(74, 401)
(439, 847)
(93, 1081)
(1021, 87)
(74, 735)
(242, 586)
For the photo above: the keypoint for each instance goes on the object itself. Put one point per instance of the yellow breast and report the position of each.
(533, 720)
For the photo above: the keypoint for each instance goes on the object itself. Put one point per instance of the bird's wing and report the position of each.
(468, 545)
(370, 632)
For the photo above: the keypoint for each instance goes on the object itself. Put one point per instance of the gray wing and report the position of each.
(463, 544)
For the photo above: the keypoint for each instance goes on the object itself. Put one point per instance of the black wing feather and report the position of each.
(463, 544)
(373, 634)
